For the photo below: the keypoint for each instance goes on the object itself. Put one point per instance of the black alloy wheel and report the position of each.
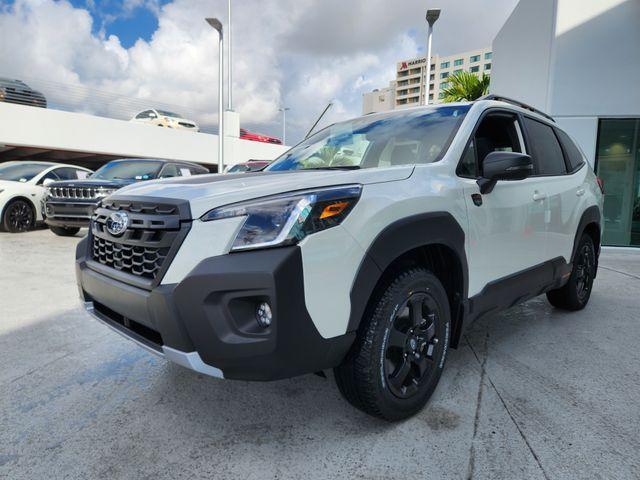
(575, 294)
(584, 265)
(399, 353)
(413, 345)
(18, 217)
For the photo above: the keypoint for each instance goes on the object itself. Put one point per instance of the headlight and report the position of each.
(287, 219)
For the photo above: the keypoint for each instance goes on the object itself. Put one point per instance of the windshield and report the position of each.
(400, 138)
(164, 113)
(21, 172)
(128, 170)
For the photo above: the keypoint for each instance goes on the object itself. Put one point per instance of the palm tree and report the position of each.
(466, 86)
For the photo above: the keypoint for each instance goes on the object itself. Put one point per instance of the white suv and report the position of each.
(370, 263)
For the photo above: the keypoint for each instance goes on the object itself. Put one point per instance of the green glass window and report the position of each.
(444, 85)
(488, 55)
(474, 69)
(444, 65)
(618, 165)
(487, 66)
(455, 72)
(474, 58)
(458, 62)
(444, 75)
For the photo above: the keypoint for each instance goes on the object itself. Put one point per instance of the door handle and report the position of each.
(537, 196)
(580, 192)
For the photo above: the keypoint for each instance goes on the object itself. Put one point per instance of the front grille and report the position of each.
(138, 260)
(85, 193)
(152, 237)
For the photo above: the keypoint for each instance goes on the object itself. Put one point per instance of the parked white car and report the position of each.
(162, 118)
(22, 191)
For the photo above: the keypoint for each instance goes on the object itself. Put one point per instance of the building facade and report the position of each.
(550, 54)
(379, 100)
(413, 84)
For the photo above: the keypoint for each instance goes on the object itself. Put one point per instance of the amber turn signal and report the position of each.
(333, 209)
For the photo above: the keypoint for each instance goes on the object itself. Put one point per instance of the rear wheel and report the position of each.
(577, 291)
(18, 216)
(64, 231)
(400, 351)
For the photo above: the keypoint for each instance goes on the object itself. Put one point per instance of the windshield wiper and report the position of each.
(335, 167)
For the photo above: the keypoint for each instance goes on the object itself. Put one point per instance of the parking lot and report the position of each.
(531, 393)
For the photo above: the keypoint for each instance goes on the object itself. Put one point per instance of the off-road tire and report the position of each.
(575, 294)
(362, 378)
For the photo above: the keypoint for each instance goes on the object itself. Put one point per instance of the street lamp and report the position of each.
(229, 61)
(432, 15)
(284, 124)
(217, 24)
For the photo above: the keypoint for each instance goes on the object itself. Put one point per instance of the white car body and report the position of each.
(508, 243)
(34, 190)
(162, 118)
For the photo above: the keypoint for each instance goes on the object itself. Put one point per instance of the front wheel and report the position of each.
(64, 231)
(401, 347)
(18, 216)
(575, 294)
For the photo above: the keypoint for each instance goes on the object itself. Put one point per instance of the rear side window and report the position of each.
(545, 148)
(573, 153)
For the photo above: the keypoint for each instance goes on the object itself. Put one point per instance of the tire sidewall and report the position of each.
(5, 216)
(422, 282)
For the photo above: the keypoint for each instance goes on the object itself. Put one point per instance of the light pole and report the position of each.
(229, 62)
(215, 23)
(432, 15)
(284, 124)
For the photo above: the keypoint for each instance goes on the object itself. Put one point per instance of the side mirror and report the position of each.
(504, 166)
(47, 181)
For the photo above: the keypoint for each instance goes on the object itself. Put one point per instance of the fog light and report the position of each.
(264, 315)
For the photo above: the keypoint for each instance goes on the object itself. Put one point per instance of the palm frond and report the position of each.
(466, 86)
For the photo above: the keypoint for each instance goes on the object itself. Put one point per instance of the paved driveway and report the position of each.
(531, 393)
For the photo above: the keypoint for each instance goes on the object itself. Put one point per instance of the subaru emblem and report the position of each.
(117, 223)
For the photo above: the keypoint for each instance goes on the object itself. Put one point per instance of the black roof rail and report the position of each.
(500, 98)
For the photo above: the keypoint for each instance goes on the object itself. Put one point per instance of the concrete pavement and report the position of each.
(531, 393)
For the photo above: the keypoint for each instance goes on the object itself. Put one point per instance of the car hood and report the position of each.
(92, 182)
(205, 192)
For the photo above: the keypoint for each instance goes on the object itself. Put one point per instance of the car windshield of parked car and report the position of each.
(21, 172)
(164, 113)
(400, 138)
(128, 170)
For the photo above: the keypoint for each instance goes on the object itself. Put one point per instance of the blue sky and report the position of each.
(129, 21)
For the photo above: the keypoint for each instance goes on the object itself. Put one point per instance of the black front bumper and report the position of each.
(69, 214)
(211, 313)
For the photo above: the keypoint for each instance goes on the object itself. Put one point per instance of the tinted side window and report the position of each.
(169, 170)
(574, 155)
(51, 175)
(545, 149)
(66, 173)
(497, 132)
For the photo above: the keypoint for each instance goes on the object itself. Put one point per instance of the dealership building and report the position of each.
(579, 61)
(412, 82)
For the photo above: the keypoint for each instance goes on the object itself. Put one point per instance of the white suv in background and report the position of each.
(372, 267)
(22, 191)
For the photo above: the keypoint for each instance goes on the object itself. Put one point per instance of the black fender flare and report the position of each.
(589, 216)
(398, 238)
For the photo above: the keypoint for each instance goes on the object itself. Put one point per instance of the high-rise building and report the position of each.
(412, 82)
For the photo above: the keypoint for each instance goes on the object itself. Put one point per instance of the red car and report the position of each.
(257, 137)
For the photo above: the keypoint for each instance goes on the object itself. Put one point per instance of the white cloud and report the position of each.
(300, 52)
